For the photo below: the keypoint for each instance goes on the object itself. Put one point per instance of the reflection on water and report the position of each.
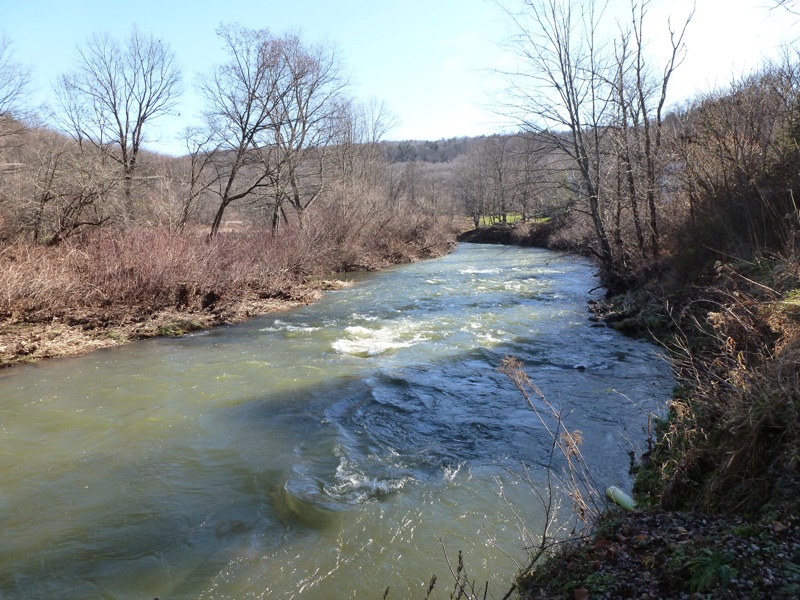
(326, 452)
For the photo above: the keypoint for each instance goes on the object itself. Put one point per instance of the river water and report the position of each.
(322, 453)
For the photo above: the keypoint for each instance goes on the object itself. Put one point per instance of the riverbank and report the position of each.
(719, 489)
(79, 332)
(108, 290)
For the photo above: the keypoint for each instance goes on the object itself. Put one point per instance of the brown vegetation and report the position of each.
(284, 184)
(107, 286)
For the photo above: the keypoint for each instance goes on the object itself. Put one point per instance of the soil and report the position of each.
(29, 340)
(651, 554)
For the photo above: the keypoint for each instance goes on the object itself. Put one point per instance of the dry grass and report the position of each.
(148, 281)
(146, 269)
(732, 442)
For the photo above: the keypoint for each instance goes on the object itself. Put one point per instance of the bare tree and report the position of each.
(359, 168)
(599, 104)
(497, 154)
(562, 91)
(179, 185)
(637, 128)
(360, 127)
(70, 190)
(652, 116)
(790, 5)
(472, 187)
(626, 148)
(304, 122)
(358, 193)
(15, 80)
(271, 109)
(534, 175)
(194, 179)
(740, 149)
(237, 115)
(115, 93)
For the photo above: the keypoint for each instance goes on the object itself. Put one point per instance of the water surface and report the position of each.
(327, 452)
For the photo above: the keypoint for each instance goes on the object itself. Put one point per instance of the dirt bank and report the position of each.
(113, 286)
(79, 332)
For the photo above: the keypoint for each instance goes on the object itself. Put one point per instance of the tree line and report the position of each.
(628, 176)
(280, 135)
(634, 179)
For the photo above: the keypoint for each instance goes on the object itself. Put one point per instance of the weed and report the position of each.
(709, 569)
(733, 432)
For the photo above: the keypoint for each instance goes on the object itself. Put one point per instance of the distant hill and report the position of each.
(441, 151)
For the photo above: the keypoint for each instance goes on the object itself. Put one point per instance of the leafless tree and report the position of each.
(179, 185)
(740, 150)
(304, 124)
(237, 116)
(600, 104)
(472, 186)
(271, 109)
(637, 131)
(562, 91)
(194, 178)
(361, 126)
(15, 81)
(504, 175)
(534, 174)
(651, 95)
(70, 190)
(497, 154)
(360, 173)
(790, 5)
(115, 93)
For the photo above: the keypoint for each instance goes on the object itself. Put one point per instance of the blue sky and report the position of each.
(430, 60)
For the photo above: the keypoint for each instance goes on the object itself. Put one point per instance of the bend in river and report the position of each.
(326, 452)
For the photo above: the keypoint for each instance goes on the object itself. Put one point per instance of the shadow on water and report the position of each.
(332, 430)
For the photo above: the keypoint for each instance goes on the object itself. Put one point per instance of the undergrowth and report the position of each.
(146, 269)
(730, 441)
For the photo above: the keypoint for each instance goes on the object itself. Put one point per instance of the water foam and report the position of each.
(476, 271)
(355, 487)
(364, 341)
(279, 325)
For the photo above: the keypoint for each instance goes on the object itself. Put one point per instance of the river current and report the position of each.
(326, 452)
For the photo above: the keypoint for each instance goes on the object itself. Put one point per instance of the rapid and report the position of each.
(326, 452)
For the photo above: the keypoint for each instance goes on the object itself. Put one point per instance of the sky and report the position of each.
(433, 62)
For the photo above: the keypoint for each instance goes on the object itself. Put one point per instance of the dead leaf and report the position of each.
(581, 594)
(777, 527)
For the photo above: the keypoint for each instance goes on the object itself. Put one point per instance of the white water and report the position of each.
(319, 453)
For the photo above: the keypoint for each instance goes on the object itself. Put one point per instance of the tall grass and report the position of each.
(147, 269)
(731, 442)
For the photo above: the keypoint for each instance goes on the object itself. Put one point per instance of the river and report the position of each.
(321, 453)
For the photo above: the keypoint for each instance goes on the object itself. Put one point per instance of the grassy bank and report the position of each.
(112, 286)
(718, 491)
